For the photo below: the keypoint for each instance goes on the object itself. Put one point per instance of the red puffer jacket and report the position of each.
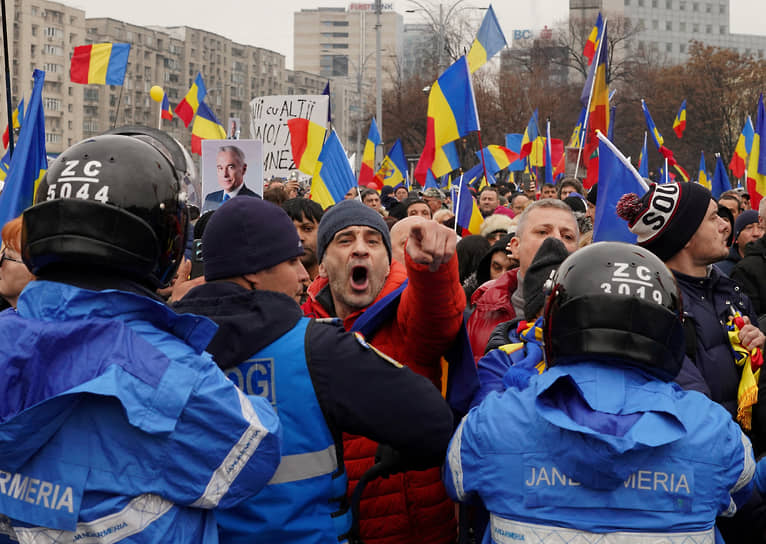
(493, 306)
(412, 507)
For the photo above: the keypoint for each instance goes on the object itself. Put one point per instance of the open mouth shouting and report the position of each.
(360, 278)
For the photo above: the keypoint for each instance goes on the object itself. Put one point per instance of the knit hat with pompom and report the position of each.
(666, 217)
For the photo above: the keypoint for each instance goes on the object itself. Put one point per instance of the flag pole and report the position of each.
(457, 204)
(590, 98)
(8, 98)
(119, 100)
(483, 165)
(667, 174)
(159, 118)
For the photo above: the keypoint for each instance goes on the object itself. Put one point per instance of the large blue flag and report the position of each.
(720, 182)
(28, 163)
(333, 177)
(616, 177)
(430, 180)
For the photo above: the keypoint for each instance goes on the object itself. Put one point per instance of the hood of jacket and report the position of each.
(248, 321)
(609, 418)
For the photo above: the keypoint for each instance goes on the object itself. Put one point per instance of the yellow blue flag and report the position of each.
(489, 41)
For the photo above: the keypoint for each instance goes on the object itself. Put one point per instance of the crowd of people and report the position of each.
(277, 372)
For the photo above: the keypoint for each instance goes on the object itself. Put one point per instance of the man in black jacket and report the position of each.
(321, 380)
(750, 272)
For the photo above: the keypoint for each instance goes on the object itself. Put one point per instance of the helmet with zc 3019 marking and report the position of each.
(616, 303)
(112, 204)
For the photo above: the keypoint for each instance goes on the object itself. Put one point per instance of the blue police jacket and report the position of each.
(305, 500)
(116, 426)
(590, 452)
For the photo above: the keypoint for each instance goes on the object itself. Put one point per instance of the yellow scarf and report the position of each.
(750, 361)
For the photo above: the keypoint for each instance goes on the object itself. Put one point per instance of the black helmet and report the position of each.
(109, 202)
(615, 302)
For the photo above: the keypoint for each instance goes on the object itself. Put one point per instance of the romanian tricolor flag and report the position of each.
(166, 111)
(683, 173)
(591, 46)
(206, 127)
(574, 140)
(738, 161)
(598, 112)
(451, 113)
(467, 213)
(489, 41)
(306, 139)
(186, 109)
(756, 166)
(530, 136)
(18, 118)
(679, 123)
(702, 175)
(333, 176)
(367, 170)
(393, 169)
(446, 160)
(103, 63)
(496, 158)
(659, 141)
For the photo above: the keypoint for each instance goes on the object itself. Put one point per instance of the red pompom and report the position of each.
(629, 207)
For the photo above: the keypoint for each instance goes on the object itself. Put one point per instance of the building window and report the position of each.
(695, 27)
(668, 25)
(669, 47)
(654, 3)
(708, 8)
(682, 26)
(640, 3)
(722, 9)
(682, 5)
(708, 29)
(695, 6)
(51, 138)
(668, 4)
(682, 48)
(655, 25)
(52, 104)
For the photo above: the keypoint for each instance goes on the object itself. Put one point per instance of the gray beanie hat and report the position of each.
(347, 214)
(246, 235)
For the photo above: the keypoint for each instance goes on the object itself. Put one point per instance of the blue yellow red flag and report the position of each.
(306, 139)
(497, 157)
(489, 41)
(393, 170)
(702, 174)
(721, 182)
(756, 166)
(446, 160)
(451, 113)
(513, 142)
(591, 45)
(16, 119)
(29, 161)
(103, 63)
(187, 107)
(738, 163)
(167, 113)
(679, 123)
(530, 135)
(367, 169)
(206, 127)
(333, 176)
(467, 214)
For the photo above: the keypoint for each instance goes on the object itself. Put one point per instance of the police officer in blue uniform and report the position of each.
(321, 380)
(602, 446)
(115, 425)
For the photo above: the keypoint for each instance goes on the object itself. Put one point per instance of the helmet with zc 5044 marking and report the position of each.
(112, 204)
(616, 303)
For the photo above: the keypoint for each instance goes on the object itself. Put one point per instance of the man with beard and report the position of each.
(679, 223)
(356, 279)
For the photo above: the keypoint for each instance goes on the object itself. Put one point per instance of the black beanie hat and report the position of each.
(347, 214)
(666, 217)
(246, 235)
(549, 256)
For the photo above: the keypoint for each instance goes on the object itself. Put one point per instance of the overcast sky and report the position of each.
(269, 23)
